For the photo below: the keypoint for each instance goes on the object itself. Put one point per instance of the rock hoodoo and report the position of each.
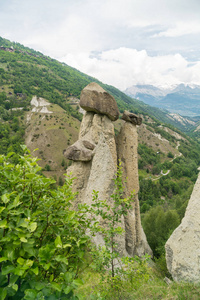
(127, 143)
(95, 157)
(183, 246)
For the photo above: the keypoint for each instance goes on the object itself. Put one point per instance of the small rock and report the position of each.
(167, 280)
(80, 151)
(88, 145)
(132, 118)
(95, 98)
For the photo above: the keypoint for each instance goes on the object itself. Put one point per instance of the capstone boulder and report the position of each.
(94, 98)
(132, 118)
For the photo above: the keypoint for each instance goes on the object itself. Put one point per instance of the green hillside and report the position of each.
(28, 72)
(168, 158)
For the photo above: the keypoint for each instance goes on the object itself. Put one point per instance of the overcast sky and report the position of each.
(120, 42)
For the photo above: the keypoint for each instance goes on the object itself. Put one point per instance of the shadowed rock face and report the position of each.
(183, 246)
(95, 158)
(95, 98)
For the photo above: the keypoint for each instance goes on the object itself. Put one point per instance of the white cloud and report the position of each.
(180, 29)
(73, 30)
(124, 67)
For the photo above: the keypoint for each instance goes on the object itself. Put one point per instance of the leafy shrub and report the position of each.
(42, 240)
(158, 226)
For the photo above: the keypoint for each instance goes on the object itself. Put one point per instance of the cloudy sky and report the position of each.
(120, 42)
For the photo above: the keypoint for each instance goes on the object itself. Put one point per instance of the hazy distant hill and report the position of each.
(181, 99)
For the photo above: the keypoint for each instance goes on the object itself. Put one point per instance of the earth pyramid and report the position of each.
(95, 158)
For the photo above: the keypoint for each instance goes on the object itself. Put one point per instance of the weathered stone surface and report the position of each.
(183, 246)
(127, 142)
(95, 98)
(98, 173)
(132, 118)
(93, 125)
(80, 151)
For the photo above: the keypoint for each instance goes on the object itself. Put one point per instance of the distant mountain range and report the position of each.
(180, 99)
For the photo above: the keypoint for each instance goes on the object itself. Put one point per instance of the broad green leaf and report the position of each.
(5, 239)
(78, 282)
(51, 278)
(66, 246)
(17, 243)
(20, 261)
(13, 278)
(28, 263)
(3, 223)
(32, 226)
(8, 269)
(10, 154)
(47, 266)
(3, 259)
(39, 286)
(58, 242)
(1, 209)
(62, 259)
(29, 248)
(68, 277)
(23, 240)
(71, 214)
(19, 271)
(35, 270)
(23, 223)
(30, 175)
(10, 253)
(14, 287)
(30, 294)
(15, 203)
(5, 198)
(56, 286)
(83, 240)
(24, 147)
(68, 289)
(3, 293)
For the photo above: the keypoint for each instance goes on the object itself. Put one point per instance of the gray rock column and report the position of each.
(127, 143)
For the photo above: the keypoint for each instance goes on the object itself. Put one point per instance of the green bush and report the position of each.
(158, 226)
(42, 240)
